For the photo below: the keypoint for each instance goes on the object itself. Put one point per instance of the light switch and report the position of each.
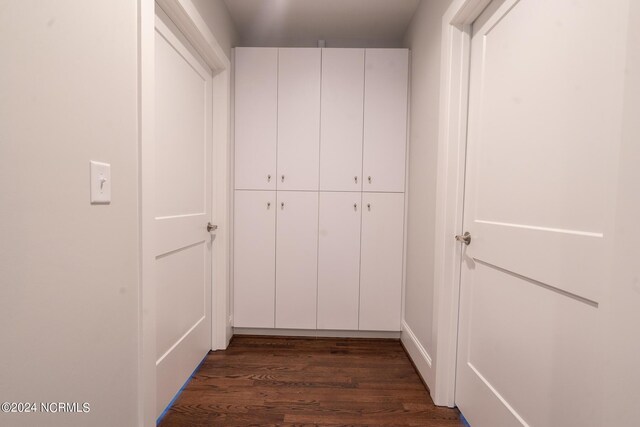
(100, 183)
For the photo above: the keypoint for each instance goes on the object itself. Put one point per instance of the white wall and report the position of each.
(216, 15)
(331, 42)
(622, 340)
(423, 38)
(68, 270)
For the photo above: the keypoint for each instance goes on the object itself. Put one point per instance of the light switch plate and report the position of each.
(100, 183)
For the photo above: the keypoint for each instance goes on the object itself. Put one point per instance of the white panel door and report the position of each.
(256, 115)
(341, 119)
(540, 160)
(296, 260)
(298, 118)
(339, 260)
(254, 259)
(385, 119)
(381, 261)
(183, 138)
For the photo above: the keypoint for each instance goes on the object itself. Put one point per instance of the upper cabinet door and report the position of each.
(256, 113)
(298, 118)
(341, 119)
(385, 119)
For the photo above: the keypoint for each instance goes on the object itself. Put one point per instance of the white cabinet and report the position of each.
(381, 261)
(254, 258)
(342, 117)
(320, 151)
(298, 118)
(331, 119)
(296, 259)
(339, 260)
(385, 119)
(256, 113)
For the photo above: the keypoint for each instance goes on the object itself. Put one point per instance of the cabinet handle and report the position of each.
(355, 178)
(369, 178)
(369, 206)
(282, 179)
(355, 206)
(282, 205)
(268, 205)
(268, 178)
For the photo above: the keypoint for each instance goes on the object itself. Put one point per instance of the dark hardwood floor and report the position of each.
(265, 381)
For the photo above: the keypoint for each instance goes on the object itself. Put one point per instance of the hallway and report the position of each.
(324, 381)
(304, 212)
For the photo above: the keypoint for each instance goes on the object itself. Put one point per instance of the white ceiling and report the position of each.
(342, 23)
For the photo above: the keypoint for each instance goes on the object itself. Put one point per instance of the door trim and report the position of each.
(186, 17)
(452, 142)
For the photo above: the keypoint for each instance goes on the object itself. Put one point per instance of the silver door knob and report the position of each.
(211, 227)
(465, 238)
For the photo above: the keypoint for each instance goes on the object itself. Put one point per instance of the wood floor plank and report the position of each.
(284, 381)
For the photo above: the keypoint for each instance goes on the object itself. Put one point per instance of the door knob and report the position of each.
(355, 178)
(211, 227)
(282, 178)
(369, 179)
(465, 238)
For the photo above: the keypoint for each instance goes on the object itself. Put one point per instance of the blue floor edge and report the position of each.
(464, 420)
(162, 415)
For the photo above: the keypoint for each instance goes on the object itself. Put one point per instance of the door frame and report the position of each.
(452, 145)
(188, 20)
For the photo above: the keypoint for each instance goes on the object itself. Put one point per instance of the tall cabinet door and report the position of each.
(381, 265)
(298, 118)
(339, 260)
(341, 119)
(385, 119)
(254, 259)
(296, 259)
(256, 113)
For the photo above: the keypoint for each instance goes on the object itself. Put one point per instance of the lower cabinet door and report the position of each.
(381, 261)
(339, 260)
(296, 259)
(254, 259)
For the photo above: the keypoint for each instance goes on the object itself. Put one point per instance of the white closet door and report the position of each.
(298, 118)
(540, 169)
(256, 115)
(296, 260)
(385, 119)
(254, 259)
(339, 260)
(183, 170)
(341, 119)
(381, 264)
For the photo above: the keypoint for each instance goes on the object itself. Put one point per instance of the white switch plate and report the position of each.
(100, 183)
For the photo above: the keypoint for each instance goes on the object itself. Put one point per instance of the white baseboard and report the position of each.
(418, 355)
(313, 333)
